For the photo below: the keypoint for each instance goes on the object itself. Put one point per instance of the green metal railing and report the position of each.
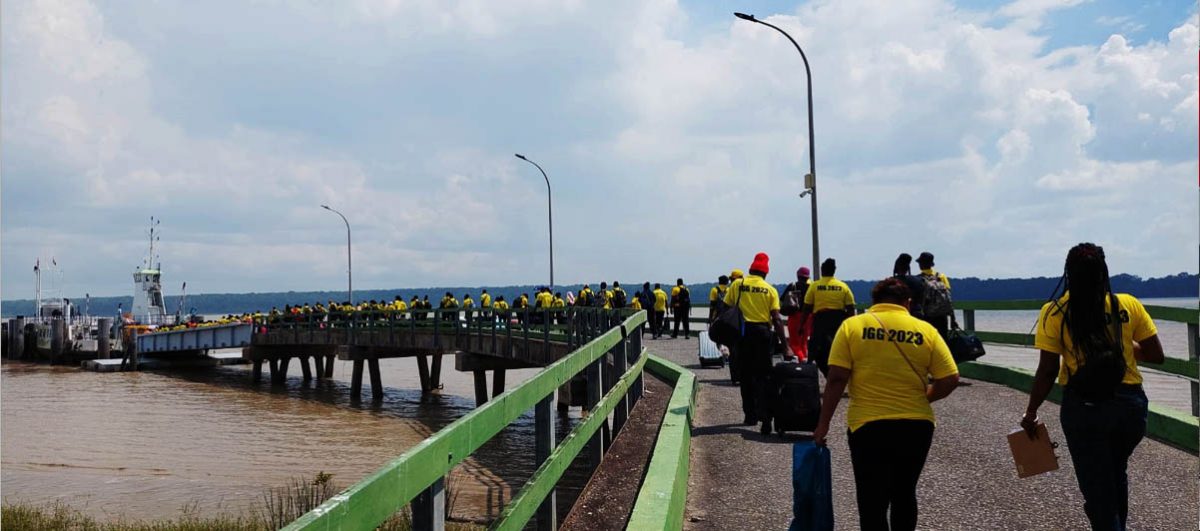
(613, 364)
(662, 500)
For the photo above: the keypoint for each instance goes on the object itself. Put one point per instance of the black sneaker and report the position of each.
(766, 428)
(749, 420)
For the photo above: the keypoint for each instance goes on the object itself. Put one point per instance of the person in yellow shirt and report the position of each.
(501, 306)
(660, 312)
(937, 306)
(887, 356)
(585, 297)
(558, 301)
(761, 335)
(830, 302)
(543, 299)
(636, 303)
(604, 296)
(716, 297)
(1098, 336)
(681, 308)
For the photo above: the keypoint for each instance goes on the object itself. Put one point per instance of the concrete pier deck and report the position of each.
(741, 480)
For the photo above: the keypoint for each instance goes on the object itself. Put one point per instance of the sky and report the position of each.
(994, 134)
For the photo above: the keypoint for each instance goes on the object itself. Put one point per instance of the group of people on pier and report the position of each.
(894, 361)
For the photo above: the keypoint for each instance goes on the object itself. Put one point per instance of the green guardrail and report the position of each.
(1163, 424)
(662, 499)
(369, 502)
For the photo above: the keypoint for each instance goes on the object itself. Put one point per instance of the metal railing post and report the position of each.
(1194, 338)
(595, 445)
(969, 320)
(620, 364)
(429, 508)
(543, 419)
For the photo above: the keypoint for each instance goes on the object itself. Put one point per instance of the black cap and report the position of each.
(925, 258)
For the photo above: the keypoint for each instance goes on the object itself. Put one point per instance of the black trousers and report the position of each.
(941, 323)
(681, 316)
(754, 370)
(888, 456)
(656, 322)
(1101, 436)
(824, 325)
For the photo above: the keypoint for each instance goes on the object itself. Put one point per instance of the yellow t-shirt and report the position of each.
(635, 304)
(485, 300)
(660, 300)
(882, 384)
(558, 302)
(501, 305)
(717, 293)
(468, 303)
(755, 297)
(829, 293)
(544, 300)
(1052, 334)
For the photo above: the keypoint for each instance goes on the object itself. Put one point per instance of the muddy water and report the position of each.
(146, 444)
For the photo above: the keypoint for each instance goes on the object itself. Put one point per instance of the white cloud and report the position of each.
(673, 150)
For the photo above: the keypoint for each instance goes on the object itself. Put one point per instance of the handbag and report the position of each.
(964, 346)
(792, 302)
(812, 488)
(727, 329)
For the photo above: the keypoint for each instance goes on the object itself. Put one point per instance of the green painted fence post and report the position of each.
(595, 446)
(543, 421)
(1193, 338)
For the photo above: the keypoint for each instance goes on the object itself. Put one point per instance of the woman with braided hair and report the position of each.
(1099, 337)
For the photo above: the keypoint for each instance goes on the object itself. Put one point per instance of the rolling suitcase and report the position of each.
(795, 396)
(710, 354)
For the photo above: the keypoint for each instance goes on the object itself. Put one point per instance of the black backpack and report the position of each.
(684, 298)
(1101, 369)
(619, 298)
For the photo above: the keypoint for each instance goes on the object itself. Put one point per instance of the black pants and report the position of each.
(656, 322)
(940, 322)
(1101, 436)
(754, 370)
(824, 325)
(888, 456)
(681, 316)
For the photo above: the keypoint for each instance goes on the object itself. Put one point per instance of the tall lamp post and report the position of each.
(810, 180)
(549, 215)
(349, 264)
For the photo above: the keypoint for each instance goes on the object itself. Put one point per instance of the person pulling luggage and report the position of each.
(830, 302)
(763, 333)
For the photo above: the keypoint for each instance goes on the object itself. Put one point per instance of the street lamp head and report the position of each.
(326, 207)
(744, 16)
(520, 156)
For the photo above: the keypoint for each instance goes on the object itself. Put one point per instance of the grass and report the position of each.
(278, 507)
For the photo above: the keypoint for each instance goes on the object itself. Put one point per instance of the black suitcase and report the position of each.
(795, 396)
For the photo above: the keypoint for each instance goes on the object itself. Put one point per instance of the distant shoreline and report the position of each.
(1183, 285)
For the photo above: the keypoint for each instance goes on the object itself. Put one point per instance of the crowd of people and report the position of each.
(894, 361)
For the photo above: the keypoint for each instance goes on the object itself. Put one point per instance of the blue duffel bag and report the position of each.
(812, 488)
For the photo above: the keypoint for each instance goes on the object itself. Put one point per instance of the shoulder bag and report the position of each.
(729, 325)
(922, 378)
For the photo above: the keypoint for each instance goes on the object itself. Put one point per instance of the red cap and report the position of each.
(804, 272)
(760, 263)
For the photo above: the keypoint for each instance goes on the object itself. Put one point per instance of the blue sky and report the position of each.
(995, 134)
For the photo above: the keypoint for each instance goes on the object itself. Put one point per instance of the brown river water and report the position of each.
(147, 444)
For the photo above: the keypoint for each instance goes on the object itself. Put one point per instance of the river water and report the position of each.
(145, 444)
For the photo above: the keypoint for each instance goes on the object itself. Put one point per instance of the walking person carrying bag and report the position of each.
(883, 356)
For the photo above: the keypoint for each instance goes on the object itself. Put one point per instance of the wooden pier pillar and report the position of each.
(481, 392)
(281, 373)
(423, 374)
(329, 366)
(57, 335)
(356, 380)
(305, 368)
(103, 331)
(17, 331)
(256, 372)
(435, 372)
(497, 382)
(376, 378)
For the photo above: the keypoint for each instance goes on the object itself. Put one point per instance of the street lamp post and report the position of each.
(549, 215)
(810, 183)
(349, 264)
